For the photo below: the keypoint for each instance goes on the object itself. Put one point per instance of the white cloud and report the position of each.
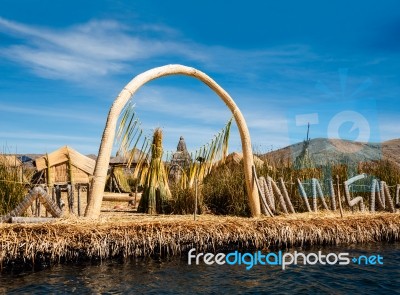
(106, 47)
(92, 52)
(95, 48)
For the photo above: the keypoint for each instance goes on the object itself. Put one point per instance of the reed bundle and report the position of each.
(141, 235)
(156, 193)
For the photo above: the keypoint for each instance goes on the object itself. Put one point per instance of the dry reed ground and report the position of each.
(125, 234)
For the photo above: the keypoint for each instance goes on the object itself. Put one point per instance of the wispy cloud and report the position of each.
(222, 58)
(94, 48)
(105, 47)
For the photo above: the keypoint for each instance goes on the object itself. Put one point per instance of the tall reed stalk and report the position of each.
(12, 190)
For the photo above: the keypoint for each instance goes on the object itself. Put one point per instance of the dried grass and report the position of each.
(136, 235)
(12, 187)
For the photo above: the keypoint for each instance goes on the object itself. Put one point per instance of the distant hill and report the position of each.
(391, 150)
(323, 150)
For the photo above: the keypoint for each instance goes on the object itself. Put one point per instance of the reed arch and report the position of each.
(100, 172)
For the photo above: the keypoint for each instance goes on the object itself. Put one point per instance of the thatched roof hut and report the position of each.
(121, 177)
(236, 158)
(122, 160)
(65, 165)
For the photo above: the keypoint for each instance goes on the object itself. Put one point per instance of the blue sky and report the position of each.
(285, 63)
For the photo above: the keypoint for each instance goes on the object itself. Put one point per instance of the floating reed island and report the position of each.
(207, 180)
(137, 235)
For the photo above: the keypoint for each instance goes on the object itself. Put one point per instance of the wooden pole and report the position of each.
(136, 194)
(79, 200)
(37, 208)
(110, 184)
(18, 219)
(48, 174)
(70, 198)
(53, 194)
(115, 197)
(339, 197)
(87, 192)
(71, 186)
(195, 201)
(58, 196)
(47, 191)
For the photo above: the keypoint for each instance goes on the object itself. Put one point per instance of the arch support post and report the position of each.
(100, 172)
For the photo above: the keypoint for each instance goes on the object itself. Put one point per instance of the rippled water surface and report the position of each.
(175, 276)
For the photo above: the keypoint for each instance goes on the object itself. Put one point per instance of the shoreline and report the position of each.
(125, 235)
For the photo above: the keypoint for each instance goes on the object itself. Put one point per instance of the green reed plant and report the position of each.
(183, 199)
(224, 191)
(12, 190)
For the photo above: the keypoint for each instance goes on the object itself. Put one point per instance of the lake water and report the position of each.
(175, 276)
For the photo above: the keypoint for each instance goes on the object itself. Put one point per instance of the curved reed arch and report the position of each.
(100, 172)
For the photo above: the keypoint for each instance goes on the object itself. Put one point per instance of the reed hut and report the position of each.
(65, 170)
(65, 166)
(121, 176)
(236, 158)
